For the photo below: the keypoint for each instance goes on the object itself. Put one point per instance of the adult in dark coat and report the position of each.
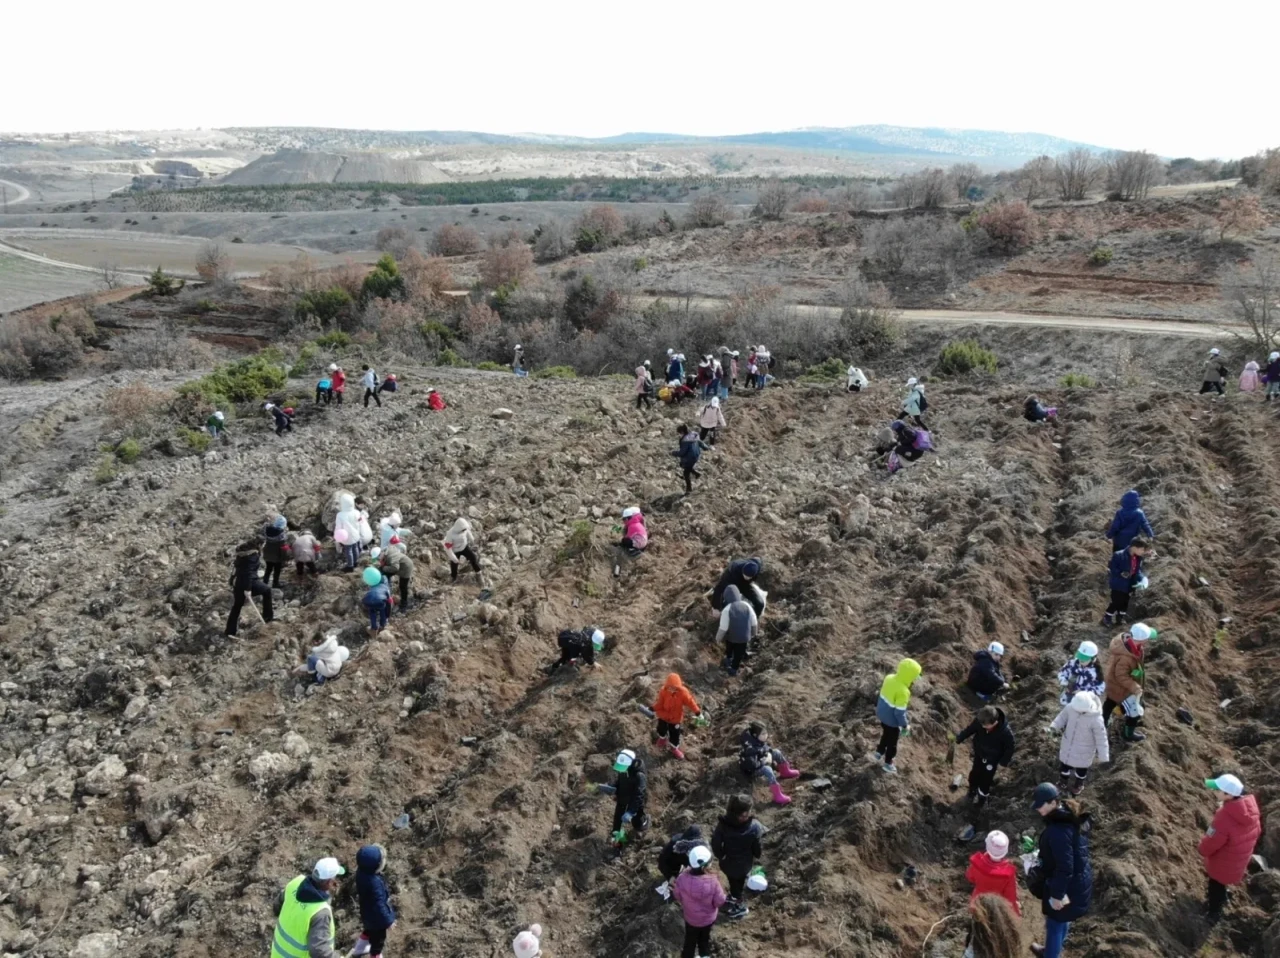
(742, 573)
(244, 578)
(1065, 876)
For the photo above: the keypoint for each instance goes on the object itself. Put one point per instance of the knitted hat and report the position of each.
(527, 944)
(1214, 352)
(997, 845)
(752, 568)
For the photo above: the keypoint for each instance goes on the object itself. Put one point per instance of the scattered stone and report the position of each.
(502, 412)
(820, 784)
(403, 821)
(98, 944)
(136, 708)
(105, 776)
(1185, 717)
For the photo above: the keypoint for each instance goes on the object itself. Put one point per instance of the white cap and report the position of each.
(699, 856)
(671, 352)
(646, 362)
(526, 944)
(757, 882)
(375, 552)
(1087, 649)
(997, 845)
(327, 868)
(995, 648)
(597, 640)
(219, 416)
(1273, 357)
(1214, 352)
(624, 760)
(333, 367)
(269, 405)
(715, 402)
(912, 381)
(1141, 632)
(630, 511)
(518, 346)
(1227, 784)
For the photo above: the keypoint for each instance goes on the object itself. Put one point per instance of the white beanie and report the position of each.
(527, 944)
(995, 648)
(912, 381)
(997, 845)
(1213, 352)
(1273, 357)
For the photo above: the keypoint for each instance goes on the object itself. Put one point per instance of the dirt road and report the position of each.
(23, 194)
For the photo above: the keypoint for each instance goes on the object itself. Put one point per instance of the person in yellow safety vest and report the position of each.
(305, 926)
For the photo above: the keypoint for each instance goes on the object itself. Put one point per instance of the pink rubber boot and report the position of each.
(778, 797)
(786, 771)
(675, 750)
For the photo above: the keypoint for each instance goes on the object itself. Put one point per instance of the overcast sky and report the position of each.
(1133, 74)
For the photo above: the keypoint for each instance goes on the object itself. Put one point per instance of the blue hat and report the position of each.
(752, 568)
(1045, 793)
(279, 522)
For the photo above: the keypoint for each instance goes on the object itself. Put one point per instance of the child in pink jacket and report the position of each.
(710, 420)
(700, 896)
(635, 535)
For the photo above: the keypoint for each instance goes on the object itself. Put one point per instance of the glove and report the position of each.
(951, 736)
(593, 788)
(906, 731)
(627, 816)
(1138, 673)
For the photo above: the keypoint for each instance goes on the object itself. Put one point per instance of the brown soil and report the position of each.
(115, 599)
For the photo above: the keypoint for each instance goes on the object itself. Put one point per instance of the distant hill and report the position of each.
(300, 167)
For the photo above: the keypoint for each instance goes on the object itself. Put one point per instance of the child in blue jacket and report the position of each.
(690, 451)
(377, 917)
(1125, 576)
(1129, 521)
(378, 603)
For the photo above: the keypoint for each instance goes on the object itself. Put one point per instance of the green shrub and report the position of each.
(829, 370)
(202, 306)
(162, 284)
(1078, 381)
(246, 380)
(579, 541)
(302, 364)
(492, 367)
(447, 357)
(966, 356)
(640, 263)
(106, 470)
(327, 305)
(556, 372)
(433, 327)
(1101, 255)
(385, 282)
(128, 451)
(197, 440)
(336, 339)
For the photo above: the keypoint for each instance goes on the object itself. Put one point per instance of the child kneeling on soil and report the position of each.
(578, 644)
(675, 856)
(736, 844)
(1034, 411)
(992, 745)
(700, 896)
(635, 534)
(377, 917)
(326, 660)
(985, 677)
(1084, 741)
(672, 702)
(757, 758)
(891, 711)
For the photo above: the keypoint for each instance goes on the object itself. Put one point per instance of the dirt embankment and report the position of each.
(161, 782)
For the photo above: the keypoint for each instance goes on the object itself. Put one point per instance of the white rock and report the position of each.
(137, 707)
(270, 766)
(103, 777)
(99, 944)
(502, 412)
(296, 745)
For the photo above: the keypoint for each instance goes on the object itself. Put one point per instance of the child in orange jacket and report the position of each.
(992, 874)
(673, 700)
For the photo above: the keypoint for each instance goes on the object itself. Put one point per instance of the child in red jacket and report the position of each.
(1228, 845)
(991, 874)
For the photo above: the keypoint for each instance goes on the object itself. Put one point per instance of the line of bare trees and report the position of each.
(1125, 174)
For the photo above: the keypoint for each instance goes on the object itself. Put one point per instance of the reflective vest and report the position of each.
(290, 939)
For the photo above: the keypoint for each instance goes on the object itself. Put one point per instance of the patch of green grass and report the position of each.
(334, 340)
(1078, 381)
(448, 357)
(827, 371)
(106, 470)
(197, 440)
(966, 356)
(1101, 255)
(556, 372)
(128, 451)
(246, 380)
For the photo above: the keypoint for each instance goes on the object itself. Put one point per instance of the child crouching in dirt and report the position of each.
(1034, 411)
(283, 418)
(757, 758)
(377, 917)
(701, 896)
(675, 856)
(578, 644)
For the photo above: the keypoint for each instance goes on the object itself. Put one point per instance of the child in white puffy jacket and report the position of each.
(1084, 740)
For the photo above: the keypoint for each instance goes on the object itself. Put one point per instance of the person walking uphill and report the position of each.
(1082, 673)
(738, 626)
(1125, 575)
(304, 910)
(370, 383)
(1228, 844)
(244, 578)
(628, 795)
(689, 452)
(644, 385)
(711, 420)
(1123, 674)
(1129, 522)
(1215, 374)
(672, 702)
(459, 543)
(891, 710)
(700, 896)
(1063, 880)
(736, 845)
(377, 917)
(1084, 741)
(992, 746)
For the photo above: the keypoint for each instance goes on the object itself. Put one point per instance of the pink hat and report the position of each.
(997, 845)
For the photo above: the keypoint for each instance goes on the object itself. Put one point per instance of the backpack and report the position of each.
(924, 404)
(773, 362)
(923, 440)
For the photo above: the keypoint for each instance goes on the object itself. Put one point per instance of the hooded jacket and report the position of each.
(369, 380)
(985, 677)
(895, 694)
(1077, 676)
(376, 913)
(738, 621)
(459, 537)
(1129, 521)
(673, 699)
(991, 877)
(675, 853)
(305, 547)
(245, 573)
(339, 380)
(856, 377)
(675, 369)
(319, 932)
(1084, 734)
(752, 753)
(1214, 371)
(911, 405)
(736, 845)
(736, 574)
(1249, 378)
(1064, 862)
(396, 561)
(329, 657)
(644, 380)
(629, 793)
(1124, 571)
(435, 401)
(1034, 411)
(275, 543)
(690, 450)
(990, 748)
(348, 519)
(577, 643)
(1229, 843)
(1122, 658)
(700, 897)
(711, 416)
(378, 595)
(633, 528)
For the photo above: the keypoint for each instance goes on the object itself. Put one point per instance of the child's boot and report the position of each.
(786, 771)
(675, 750)
(1131, 734)
(660, 743)
(1108, 618)
(778, 797)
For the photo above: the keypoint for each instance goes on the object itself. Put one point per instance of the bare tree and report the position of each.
(109, 276)
(965, 176)
(855, 197)
(908, 191)
(1240, 213)
(395, 240)
(1250, 294)
(1035, 179)
(934, 187)
(1076, 173)
(1132, 173)
(551, 242)
(213, 265)
(709, 209)
(773, 199)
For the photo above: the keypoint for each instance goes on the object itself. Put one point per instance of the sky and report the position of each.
(1132, 74)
